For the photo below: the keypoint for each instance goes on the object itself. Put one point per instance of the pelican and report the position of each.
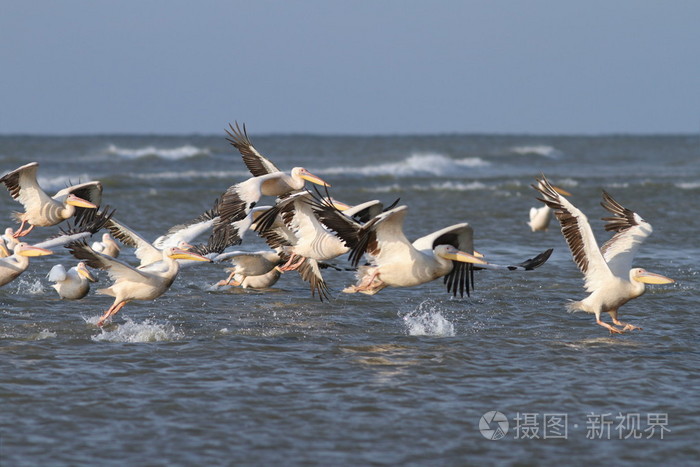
(540, 217)
(608, 272)
(107, 246)
(262, 265)
(42, 210)
(7, 242)
(256, 162)
(11, 267)
(145, 283)
(71, 284)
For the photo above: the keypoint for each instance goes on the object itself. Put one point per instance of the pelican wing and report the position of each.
(346, 227)
(188, 231)
(22, 185)
(88, 225)
(57, 273)
(630, 232)
(256, 162)
(115, 268)
(89, 191)
(144, 250)
(311, 272)
(382, 238)
(579, 236)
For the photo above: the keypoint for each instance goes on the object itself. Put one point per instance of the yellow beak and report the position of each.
(79, 202)
(463, 257)
(652, 278)
(28, 250)
(179, 253)
(306, 175)
(85, 272)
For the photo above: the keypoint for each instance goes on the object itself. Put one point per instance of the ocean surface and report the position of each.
(213, 376)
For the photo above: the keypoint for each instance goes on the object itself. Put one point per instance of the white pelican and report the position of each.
(72, 284)
(258, 264)
(608, 271)
(540, 217)
(107, 246)
(11, 267)
(394, 261)
(145, 283)
(42, 210)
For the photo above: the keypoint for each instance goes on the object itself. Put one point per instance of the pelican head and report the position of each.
(301, 172)
(642, 275)
(452, 253)
(85, 272)
(25, 249)
(79, 202)
(179, 253)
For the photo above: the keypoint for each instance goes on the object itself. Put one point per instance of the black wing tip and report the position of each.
(537, 261)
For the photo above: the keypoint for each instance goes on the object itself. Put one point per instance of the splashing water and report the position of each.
(427, 320)
(131, 331)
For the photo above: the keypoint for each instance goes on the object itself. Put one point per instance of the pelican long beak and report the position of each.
(29, 250)
(179, 253)
(85, 272)
(652, 278)
(463, 257)
(478, 255)
(4, 252)
(561, 191)
(79, 202)
(306, 175)
(339, 205)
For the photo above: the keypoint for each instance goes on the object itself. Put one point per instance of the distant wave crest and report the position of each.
(537, 150)
(182, 152)
(415, 165)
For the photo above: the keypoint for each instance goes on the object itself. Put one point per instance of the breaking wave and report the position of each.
(414, 165)
(182, 152)
(537, 150)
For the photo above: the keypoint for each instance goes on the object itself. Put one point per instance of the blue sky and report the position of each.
(350, 67)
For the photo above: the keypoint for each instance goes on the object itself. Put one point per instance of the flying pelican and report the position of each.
(608, 271)
(42, 210)
(130, 283)
(11, 267)
(72, 284)
(107, 246)
(252, 265)
(540, 217)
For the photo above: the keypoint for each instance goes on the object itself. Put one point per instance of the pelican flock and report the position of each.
(305, 232)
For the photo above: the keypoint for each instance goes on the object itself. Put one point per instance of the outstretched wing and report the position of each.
(115, 268)
(22, 185)
(144, 251)
(578, 235)
(256, 162)
(382, 238)
(630, 232)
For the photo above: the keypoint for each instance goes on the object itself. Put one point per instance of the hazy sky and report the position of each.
(350, 67)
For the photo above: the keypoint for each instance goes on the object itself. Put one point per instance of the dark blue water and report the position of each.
(229, 376)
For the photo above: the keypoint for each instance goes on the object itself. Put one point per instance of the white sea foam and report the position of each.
(182, 152)
(537, 150)
(427, 320)
(414, 165)
(130, 331)
(688, 185)
(436, 186)
(44, 334)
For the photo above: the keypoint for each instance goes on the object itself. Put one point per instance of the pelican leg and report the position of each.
(368, 281)
(626, 326)
(227, 281)
(284, 267)
(110, 312)
(21, 233)
(613, 329)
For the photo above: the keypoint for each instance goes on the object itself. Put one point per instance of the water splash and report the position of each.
(29, 287)
(45, 334)
(427, 320)
(130, 331)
